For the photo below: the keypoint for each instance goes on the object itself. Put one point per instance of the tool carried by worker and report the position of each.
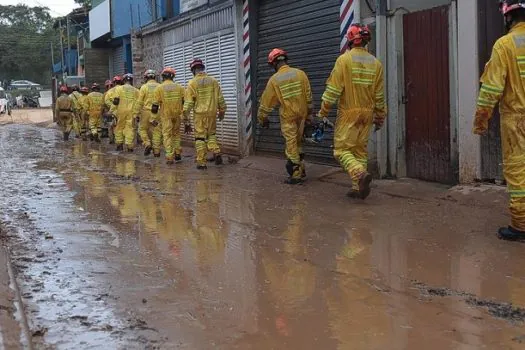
(314, 133)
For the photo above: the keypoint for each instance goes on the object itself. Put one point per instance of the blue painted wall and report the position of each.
(128, 14)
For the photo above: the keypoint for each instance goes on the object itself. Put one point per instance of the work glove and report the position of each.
(481, 122)
(378, 122)
(220, 115)
(154, 123)
(187, 127)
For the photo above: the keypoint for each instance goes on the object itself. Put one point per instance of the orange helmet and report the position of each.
(277, 55)
(84, 89)
(358, 33)
(168, 72)
(64, 88)
(196, 63)
(108, 83)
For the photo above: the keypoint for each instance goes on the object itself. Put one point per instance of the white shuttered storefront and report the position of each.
(211, 38)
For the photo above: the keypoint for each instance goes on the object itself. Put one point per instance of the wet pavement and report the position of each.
(115, 251)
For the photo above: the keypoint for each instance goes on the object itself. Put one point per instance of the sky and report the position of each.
(58, 7)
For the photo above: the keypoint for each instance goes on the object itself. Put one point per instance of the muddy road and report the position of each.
(115, 251)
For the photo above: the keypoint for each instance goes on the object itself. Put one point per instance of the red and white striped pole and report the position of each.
(247, 79)
(348, 13)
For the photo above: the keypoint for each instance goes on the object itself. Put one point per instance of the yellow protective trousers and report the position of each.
(352, 130)
(77, 124)
(151, 136)
(166, 127)
(205, 138)
(95, 124)
(513, 147)
(292, 130)
(175, 135)
(124, 130)
(66, 121)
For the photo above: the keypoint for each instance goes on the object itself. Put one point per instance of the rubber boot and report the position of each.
(170, 161)
(147, 151)
(129, 149)
(178, 158)
(120, 147)
(211, 159)
(201, 167)
(511, 234)
(97, 138)
(84, 137)
(66, 136)
(354, 194)
(218, 159)
(364, 185)
(77, 136)
(156, 155)
(295, 179)
(91, 137)
(303, 167)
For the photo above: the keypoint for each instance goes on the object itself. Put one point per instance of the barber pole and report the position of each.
(247, 79)
(348, 13)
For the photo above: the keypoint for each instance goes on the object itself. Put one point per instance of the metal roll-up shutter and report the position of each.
(309, 31)
(118, 64)
(214, 42)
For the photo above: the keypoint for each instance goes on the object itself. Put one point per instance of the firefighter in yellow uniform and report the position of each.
(357, 83)
(168, 104)
(95, 108)
(111, 111)
(83, 112)
(64, 112)
(75, 95)
(290, 88)
(107, 118)
(204, 96)
(123, 102)
(504, 81)
(149, 128)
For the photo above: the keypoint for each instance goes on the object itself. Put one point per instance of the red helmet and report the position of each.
(357, 33)
(64, 88)
(168, 70)
(84, 89)
(196, 63)
(506, 6)
(117, 79)
(277, 55)
(108, 83)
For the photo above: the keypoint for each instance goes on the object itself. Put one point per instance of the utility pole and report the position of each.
(68, 45)
(61, 45)
(52, 56)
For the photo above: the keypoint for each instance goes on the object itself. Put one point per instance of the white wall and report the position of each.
(468, 84)
(99, 21)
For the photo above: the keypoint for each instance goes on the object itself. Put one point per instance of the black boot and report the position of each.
(147, 151)
(156, 155)
(364, 185)
(97, 138)
(91, 137)
(178, 158)
(120, 147)
(511, 234)
(211, 159)
(295, 177)
(354, 194)
(66, 136)
(218, 159)
(202, 167)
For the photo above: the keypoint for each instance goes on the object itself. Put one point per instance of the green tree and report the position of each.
(83, 3)
(25, 48)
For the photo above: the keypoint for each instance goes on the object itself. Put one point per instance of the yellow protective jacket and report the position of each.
(504, 81)
(82, 104)
(290, 88)
(145, 100)
(170, 98)
(204, 96)
(75, 97)
(64, 105)
(108, 97)
(95, 103)
(357, 83)
(127, 95)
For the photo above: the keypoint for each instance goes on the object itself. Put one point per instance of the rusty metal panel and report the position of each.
(427, 95)
(491, 27)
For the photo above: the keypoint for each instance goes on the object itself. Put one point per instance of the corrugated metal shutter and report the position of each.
(220, 56)
(309, 31)
(118, 64)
